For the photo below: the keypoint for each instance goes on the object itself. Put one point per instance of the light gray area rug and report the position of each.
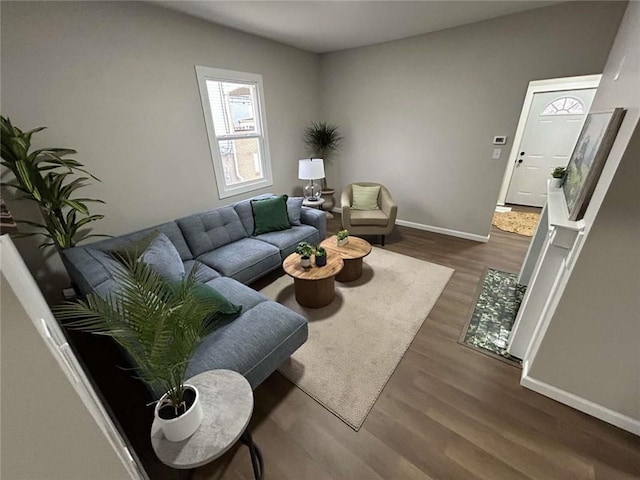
(356, 343)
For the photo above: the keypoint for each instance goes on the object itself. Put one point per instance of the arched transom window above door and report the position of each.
(564, 106)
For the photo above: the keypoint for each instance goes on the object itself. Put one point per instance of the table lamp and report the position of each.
(311, 169)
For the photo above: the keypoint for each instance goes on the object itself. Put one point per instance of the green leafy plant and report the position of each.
(558, 172)
(305, 249)
(159, 323)
(320, 252)
(342, 234)
(45, 176)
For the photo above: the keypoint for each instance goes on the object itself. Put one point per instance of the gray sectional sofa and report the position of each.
(228, 256)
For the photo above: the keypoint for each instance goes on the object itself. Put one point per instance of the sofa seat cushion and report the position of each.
(210, 230)
(245, 260)
(287, 240)
(368, 217)
(237, 293)
(205, 273)
(254, 344)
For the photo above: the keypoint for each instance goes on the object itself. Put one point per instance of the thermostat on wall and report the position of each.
(500, 140)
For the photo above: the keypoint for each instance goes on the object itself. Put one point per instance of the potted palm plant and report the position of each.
(48, 177)
(159, 324)
(305, 250)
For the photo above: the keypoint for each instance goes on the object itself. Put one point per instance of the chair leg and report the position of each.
(382, 240)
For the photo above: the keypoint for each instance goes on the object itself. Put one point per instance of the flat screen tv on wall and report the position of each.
(588, 159)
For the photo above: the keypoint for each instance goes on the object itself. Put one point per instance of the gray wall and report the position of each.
(420, 114)
(592, 344)
(47, 432)
(116, 81)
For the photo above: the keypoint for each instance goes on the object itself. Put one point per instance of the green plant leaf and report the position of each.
(159, 326)
(38, 177)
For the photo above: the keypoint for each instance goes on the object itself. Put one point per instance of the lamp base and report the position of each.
(312, 191)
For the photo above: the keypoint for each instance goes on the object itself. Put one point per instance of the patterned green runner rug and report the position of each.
(488, 329)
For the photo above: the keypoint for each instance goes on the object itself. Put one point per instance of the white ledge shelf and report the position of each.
(558, 213)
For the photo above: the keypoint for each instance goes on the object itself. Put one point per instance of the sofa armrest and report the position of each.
(388, 206)
(315, 218)
(345, 202)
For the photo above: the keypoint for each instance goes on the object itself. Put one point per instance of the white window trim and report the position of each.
(210, 73)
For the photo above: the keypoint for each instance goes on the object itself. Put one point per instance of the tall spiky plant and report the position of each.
(322, 140)
(158, 323)
(40, 176)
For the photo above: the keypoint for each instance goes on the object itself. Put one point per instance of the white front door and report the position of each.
(551, 132)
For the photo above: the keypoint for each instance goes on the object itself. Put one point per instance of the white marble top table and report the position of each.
(313, 203)
(227, 404)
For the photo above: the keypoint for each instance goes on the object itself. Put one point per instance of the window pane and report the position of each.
(233, 106)
(241, 160)
(564, 106)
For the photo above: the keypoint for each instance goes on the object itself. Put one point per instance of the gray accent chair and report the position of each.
(369, 222)
(228, 256)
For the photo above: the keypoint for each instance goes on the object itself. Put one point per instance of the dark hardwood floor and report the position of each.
(448, 412)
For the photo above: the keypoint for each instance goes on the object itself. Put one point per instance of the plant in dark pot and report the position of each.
(557, 176)
(321, 257)
(305, 250)
(46, 176)
(160, 324)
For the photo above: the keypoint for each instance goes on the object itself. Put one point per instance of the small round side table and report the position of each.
(227, 404)
(313, 203)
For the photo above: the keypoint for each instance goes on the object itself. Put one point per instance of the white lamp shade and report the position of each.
(310, 168)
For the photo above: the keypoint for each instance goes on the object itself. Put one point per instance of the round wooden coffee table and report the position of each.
(352, 253)
(314, 286)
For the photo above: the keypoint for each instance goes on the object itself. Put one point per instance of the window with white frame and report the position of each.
(234, 115)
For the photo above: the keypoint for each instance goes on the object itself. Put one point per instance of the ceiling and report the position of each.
(327, 26)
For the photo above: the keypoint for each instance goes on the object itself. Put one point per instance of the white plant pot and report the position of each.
(305, 262)
(555, 182)
(342, 242)
(178, 429)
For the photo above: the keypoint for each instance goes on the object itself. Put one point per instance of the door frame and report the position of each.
(539, 86)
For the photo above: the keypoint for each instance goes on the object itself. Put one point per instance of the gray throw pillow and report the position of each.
(157, 251)
(163, 258)
(294, 209)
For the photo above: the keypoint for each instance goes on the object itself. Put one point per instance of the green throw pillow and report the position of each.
(365, 197)
(203, 291)
(270, 214)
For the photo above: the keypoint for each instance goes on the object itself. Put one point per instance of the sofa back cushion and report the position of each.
(210, 230)
(245, 212)
(88, 272)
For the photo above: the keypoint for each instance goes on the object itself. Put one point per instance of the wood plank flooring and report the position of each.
(448, 412)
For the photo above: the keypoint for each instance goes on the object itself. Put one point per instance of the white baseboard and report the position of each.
(590, 408)
(429, 228)
(444, 231)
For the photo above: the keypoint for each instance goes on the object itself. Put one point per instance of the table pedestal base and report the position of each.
(315, 293)
(352, 270)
